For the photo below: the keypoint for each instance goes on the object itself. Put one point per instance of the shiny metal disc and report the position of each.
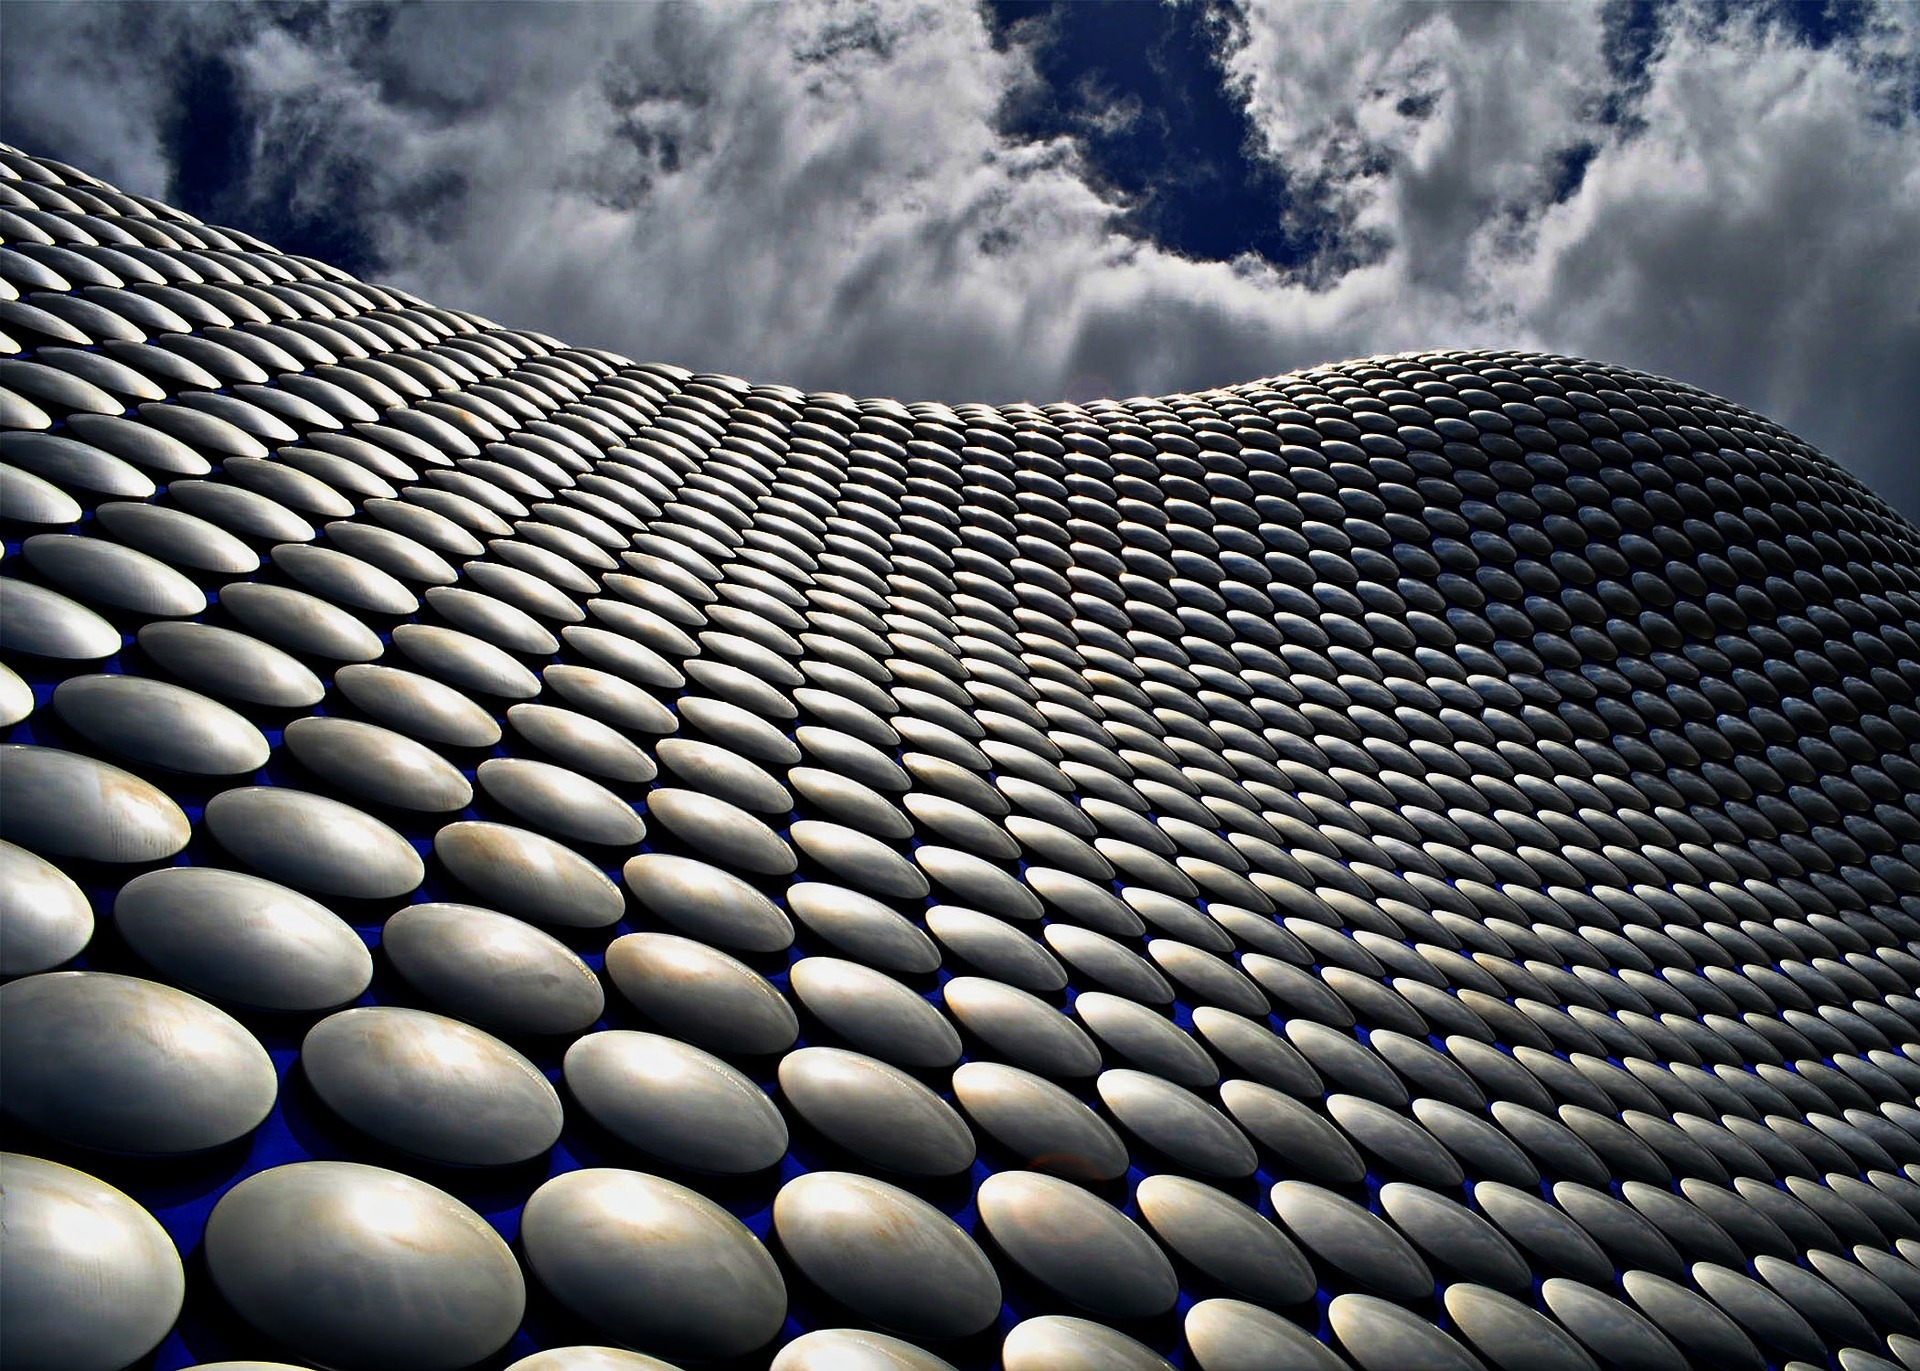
(1060, 1342)
(44, 917)
(314, 843)
(560, 801)
(430, 1086)
(876, 1111)
(891, 1258)
(44, 623)
(653, 1263)
(242, 940)
(125, 1065)
(492, 970)
(418, 706)
(1077, 1245)
(675, 1102)
(89, 1280)
(162, 725)
(61, 804)
(848, 1349)
(589, 1359)
(701, 994)
(378, 764)
(359, 1267)
(707, 902)
(16, 697)
(529, 875)
(222, 662)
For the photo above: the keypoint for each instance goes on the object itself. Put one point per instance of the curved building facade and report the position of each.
(515, 857)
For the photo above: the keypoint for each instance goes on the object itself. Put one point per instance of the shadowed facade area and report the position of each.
(512, 853)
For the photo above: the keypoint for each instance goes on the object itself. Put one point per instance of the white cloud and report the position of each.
(1758, 238)
(81, 73)
(1752, 232)
(822, 194)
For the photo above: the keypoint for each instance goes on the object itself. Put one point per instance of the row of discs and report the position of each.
(510, 852)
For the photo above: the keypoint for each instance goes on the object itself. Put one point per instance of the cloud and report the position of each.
(1753, 239)
(83, 79)
(840, 196)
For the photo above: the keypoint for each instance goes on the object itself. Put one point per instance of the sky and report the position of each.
(1039, 201)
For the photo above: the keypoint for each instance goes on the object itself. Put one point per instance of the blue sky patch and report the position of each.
(226, 172)
(1143, 91)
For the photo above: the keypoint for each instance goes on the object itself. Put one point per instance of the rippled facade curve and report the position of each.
(515, 857)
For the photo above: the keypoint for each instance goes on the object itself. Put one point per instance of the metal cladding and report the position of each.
(513, 856)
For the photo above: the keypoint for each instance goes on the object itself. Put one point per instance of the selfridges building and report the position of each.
(516, 857)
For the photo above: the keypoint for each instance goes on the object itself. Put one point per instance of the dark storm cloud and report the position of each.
(997, 203)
